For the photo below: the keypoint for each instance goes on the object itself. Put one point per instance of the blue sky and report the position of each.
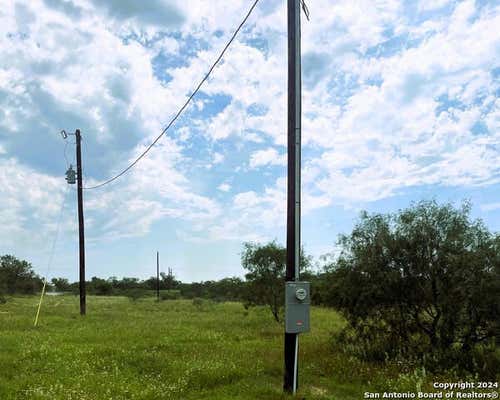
(400, 103)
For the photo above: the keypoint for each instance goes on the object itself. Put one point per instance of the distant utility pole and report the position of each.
(290, 382)
(158, 276)
(70, 178)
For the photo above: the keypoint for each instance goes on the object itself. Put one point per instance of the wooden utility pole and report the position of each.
(290, 383)
(80, 221)
(158, 276)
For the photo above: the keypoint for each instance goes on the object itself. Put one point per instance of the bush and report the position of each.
(202, 304)
(170, 295)
(99, 287)
(135, 294)
(422, 284)
(198, 303)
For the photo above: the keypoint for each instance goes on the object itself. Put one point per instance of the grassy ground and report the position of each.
(172, 350)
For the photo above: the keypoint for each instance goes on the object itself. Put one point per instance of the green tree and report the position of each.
(227, 289)
(266, 275)
(125, 284)
(61, 284)
(100, 286)
(17, 276)
(425, 280)
(168, 281)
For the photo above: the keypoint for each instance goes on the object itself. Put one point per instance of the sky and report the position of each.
(400, 103)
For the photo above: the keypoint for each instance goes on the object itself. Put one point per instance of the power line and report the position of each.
(61, 211)
(51, 255)
(183, 107)
(66, 156)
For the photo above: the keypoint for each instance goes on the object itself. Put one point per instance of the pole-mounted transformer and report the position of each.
(71, 175)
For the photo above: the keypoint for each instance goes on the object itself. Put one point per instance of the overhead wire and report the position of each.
(65, 155)
(51, 254)
(179, 112)
(66, 142)
(305, 9)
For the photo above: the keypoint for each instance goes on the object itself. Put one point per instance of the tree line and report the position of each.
(227, 289)
(421, 285)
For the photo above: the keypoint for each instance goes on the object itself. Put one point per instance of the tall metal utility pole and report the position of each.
(158, 276)
(293, 196)
(81, 235)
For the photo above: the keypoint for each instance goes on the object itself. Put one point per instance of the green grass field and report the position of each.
(172, 350)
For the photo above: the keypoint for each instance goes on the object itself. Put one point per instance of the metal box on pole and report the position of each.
(297, 306)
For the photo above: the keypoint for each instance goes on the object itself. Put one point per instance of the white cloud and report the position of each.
(267, 157)
(396, 134)
(116, 100)
(218, 158)
(260, 216)
(224, 187)
(154, 189)
(425, 5)
(167, 45)
(246, 199)
(30, 203)
(374, 123)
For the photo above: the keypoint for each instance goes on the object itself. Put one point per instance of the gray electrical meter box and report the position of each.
(297, 304)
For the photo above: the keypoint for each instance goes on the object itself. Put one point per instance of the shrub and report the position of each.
(198, 303)
(170, 295)
(422, 284)
(99, 287)
(203, 304)
(135, 294)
